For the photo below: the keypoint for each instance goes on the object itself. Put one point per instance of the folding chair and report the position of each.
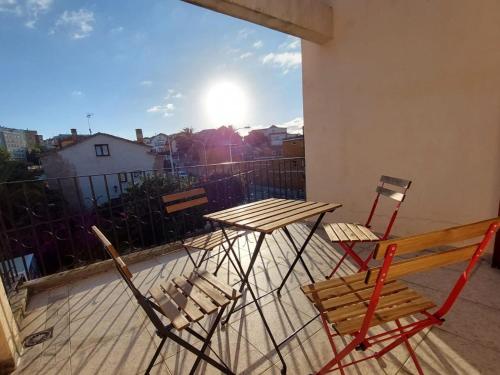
(354, 304)
(347, 235)
(183, 301)
(180, 203)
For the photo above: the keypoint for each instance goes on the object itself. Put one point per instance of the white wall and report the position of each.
(410, 89)
(124, 156)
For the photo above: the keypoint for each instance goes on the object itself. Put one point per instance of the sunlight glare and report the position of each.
(226, 104)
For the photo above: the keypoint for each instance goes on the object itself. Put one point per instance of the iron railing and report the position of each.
(44, 223)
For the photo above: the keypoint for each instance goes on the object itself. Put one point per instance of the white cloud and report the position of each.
(146, 83)
(283, 60)
(245, 33)
(10, 6)
(77, 93)
(173, 94)
(294, 126)
(33, 10)
(292, 43)
(258, 44)
(167, 109)
(78, 23)
(246, 55)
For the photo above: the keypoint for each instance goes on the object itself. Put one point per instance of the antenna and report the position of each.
(89, 115)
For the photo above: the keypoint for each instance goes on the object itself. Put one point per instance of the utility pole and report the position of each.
(230, 140)
(89, 115)
(171, 153)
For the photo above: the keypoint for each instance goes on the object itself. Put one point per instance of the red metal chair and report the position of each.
(354, 304)
(347, 235)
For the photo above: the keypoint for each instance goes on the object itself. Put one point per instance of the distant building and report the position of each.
(293, 147)
(275, 134)
(160, 145)
(18, 142)
(121, 160)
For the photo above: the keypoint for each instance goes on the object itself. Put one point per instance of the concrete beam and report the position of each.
(311, 20)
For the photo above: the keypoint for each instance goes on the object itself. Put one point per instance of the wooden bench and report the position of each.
(183, 201)
(354, 304)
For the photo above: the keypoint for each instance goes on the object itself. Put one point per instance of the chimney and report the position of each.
(74, 135)
(139, 136)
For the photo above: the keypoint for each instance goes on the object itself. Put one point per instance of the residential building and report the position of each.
(293, 147)
(99, 154)
(160, 145)
(18, 142)
(274, 134)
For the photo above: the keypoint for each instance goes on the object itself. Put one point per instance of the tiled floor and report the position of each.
(99, 329)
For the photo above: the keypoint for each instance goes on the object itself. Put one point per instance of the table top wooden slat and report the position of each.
(252, 211)
(270, 214)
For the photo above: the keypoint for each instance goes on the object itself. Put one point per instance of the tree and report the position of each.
(256, 139)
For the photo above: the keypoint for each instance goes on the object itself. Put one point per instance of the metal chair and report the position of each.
(354, 304)
(184, 300)
(347, 235)
(181, 203)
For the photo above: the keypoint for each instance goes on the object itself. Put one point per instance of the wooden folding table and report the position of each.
(265, 217)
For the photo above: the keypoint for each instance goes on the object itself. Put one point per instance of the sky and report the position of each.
(156, 65)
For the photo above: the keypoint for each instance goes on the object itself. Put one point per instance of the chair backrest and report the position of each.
(390, 187)
(386, 250)
(184, 200)
(119, 263)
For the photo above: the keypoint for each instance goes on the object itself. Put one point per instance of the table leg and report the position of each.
(299, 254)
(244, 283)
(290, 238)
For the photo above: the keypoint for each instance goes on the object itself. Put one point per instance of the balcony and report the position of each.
(99, 328)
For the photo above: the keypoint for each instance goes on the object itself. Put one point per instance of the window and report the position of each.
(101, 150)
(123, 177)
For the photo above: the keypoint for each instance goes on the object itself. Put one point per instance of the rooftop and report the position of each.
(99, 328)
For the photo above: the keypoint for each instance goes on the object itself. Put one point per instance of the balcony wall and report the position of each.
(410, 89)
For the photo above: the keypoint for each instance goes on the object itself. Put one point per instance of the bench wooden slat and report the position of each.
(188, 204)
(397, 196)
(396, 181)
(212, 240)
(385, 301)
(425, 262)
(192, 311)
(229, 292)
(358, 296)
(195, 294)
(342, 290)
(169, 309)
(385, 315)
(436, 238)
(208, 289)
(332, 283)
(182, 195)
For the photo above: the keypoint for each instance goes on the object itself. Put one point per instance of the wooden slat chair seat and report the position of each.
(181, 203)
(356, 303)
(349, 232)
(184, 300)
(213, 239)
(187, 299)
(344, 302)
(347, 235)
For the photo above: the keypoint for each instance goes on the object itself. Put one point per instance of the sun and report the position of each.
(226, 104)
